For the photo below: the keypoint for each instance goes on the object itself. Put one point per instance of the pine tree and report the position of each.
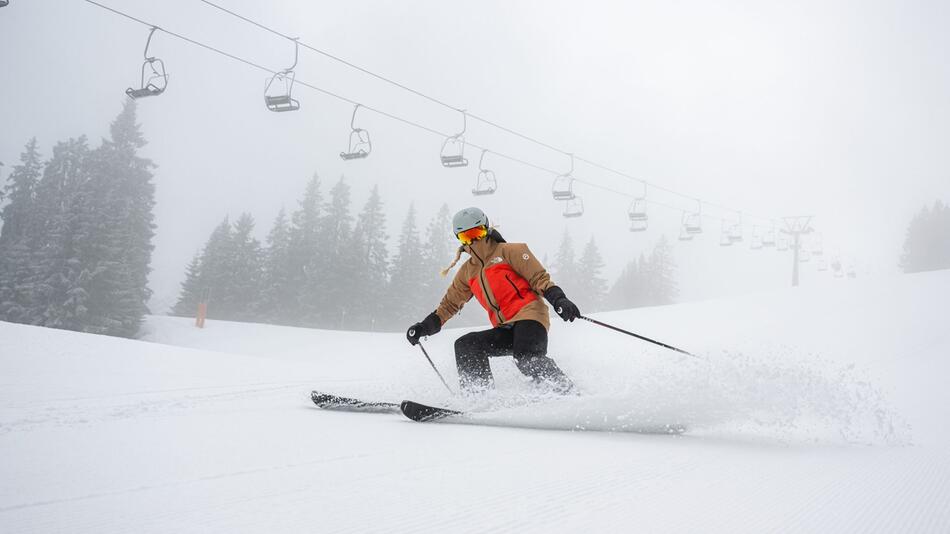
(15, 243)
(215, 278)
(112, 215)
(56, 269)
(438, 251)
(372, 265)
(407, 278)
(21, 192)
(329, 275)
(927, 242)
(591, 287)
(278, 293)
(304, 250)
(660, 274)
(247, 270)
(564, 270)
(190, 296)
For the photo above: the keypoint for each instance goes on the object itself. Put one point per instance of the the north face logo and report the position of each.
(496, 259)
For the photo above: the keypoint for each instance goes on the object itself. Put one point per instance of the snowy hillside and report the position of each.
(821, 409)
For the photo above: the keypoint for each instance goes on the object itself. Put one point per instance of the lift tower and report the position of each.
(796, 227)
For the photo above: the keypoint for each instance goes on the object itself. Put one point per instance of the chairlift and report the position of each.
(485, 183)
(154, 78)
(756, 241)
(804, 255)
(693, 222)
(563, 187)
(453, 148)
(822, 264)
(735, 231)
(278, 90)
(782, 244)
(685, 234)
(768, 238)
(638, 209)
(360, 145)
(725, 240)
(817, 248)
(639, 225)
(573, 207)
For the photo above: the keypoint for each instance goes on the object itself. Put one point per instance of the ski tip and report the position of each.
(422, 413)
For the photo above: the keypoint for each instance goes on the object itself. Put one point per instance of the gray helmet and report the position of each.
(468, 218)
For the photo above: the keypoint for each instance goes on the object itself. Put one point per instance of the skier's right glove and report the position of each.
(429, 326)
(562, 305)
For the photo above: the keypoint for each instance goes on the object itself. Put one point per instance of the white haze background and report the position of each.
(834, 109)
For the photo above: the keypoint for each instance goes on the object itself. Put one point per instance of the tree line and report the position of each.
(77, 231)
(323, 266)
(927, 242)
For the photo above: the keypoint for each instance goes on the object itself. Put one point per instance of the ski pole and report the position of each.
(655, 342)
(434, 368)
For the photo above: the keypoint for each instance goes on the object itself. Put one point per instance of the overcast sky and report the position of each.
(834, 109)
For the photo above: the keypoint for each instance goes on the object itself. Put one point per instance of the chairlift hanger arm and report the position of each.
(353, 118)
(148, 43)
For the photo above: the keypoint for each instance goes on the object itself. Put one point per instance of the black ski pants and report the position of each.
(526, 340)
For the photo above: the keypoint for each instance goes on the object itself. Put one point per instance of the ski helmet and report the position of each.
(468, 218)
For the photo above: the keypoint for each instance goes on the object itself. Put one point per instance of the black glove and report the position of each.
(429, 326)
(562, 305)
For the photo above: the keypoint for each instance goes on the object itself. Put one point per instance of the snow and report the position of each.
(819, 409)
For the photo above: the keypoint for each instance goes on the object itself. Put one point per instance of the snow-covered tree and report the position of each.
(564, 269)
(332, 277)
(305, 241)
(371, 266)
(591, 288)
(247, 270)
(20, 191)
(437, 253)
(190, 296)
(405, 295)
(278, 295)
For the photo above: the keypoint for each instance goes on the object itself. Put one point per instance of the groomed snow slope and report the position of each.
(821, 409)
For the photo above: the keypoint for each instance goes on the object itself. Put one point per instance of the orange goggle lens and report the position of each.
(472, 234)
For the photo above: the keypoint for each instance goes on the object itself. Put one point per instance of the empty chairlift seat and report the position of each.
(485, 183)
(279, 88)
(453, 148)
(360, 144)
(563, 187)
(573, 207)
(154, 79)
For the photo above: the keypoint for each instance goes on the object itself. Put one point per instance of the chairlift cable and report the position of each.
(472, 115)
(411, 122)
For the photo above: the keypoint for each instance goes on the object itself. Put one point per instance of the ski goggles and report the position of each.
(472, 234)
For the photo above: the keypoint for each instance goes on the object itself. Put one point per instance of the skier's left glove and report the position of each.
(562, 305)
(429, 326)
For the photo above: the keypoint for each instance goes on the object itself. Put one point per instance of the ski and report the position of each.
(328, 401)
(423, 413)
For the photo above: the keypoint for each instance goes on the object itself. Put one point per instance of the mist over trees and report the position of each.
(927, 243)
(323, 267)
(76, 240)
(650, 280)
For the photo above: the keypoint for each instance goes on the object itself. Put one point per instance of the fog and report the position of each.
(837, 110)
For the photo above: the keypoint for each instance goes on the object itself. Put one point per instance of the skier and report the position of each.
(507, 281)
